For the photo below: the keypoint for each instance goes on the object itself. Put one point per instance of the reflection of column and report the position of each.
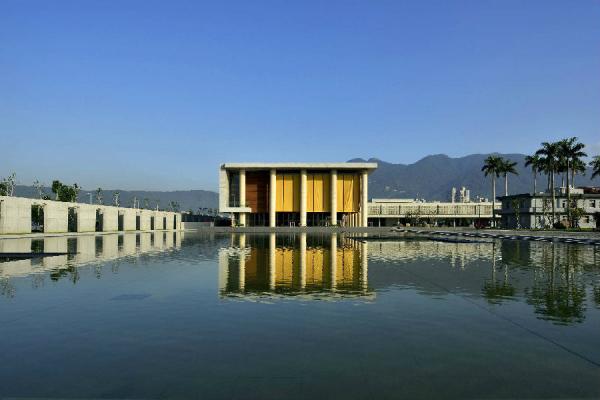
(303, 260)
(242, 189)
(86, 248)
(365, 199)
(364, 264)
(128, 244)
(333, 260)
(55, 245)
(333, 197)
(303, 197)
(272, 198)
(242, 263)
(272, 271)
(223, 269)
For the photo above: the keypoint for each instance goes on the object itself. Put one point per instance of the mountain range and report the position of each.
(434, 176)
(430, 178)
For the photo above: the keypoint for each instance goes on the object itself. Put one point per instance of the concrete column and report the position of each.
(333, 197)
(128, 218)
(242, 196)
(333, 248)
(144, 220)
(56, 216)
(272, 198)
(110, 219)
(15, 215)
(303, 185)
(364, 194)
(272, 264)
(86, 218)
(303, 260)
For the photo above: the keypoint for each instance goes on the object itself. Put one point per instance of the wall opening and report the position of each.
(288, 219)
(164, 222)
(138, 222)
(99, 220)
(72, 220)
(152, 223)
(174, 221)
(121, 222)
(37, 218)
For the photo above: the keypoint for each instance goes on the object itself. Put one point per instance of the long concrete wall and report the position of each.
(15, 217)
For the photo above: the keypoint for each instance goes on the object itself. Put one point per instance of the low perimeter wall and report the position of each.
(61, 217)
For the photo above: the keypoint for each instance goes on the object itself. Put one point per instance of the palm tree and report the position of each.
(535, 163)
(549, 156)
(491, 167)
(571, 151)
(578, 168)
(507, 167)
(595, 164)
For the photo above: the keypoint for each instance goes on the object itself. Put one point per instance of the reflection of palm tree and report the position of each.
(559, 298)
(495, 291)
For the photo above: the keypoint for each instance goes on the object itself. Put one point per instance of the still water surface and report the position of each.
(173, 315)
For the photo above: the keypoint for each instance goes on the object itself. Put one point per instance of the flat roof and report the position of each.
(301, 165)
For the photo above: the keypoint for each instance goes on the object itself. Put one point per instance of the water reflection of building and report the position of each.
(458, 254)
(82, 250)
(294, 265)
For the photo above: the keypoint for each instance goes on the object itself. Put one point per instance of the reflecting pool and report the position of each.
(240, 316)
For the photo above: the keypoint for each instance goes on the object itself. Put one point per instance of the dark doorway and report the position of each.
(72, 219)
(175, 222)
(138, 222)
(99, 220)
(121, 222)
(152, 223)
(164, 222)
(37, 218)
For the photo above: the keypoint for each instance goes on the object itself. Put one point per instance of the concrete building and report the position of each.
(24, 215)
(295, 194)
(392, 212)
(534, 211)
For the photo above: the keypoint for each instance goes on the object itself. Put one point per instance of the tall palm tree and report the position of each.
(578, 168)
(550, 158)
(571, 151)
(595, 164)
(491, 167)
(535, 163)
(507, 167)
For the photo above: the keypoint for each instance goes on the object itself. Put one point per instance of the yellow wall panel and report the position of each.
(310, 192)
(326, 184)
(340, 193)
(279, 193)
(318, 199)
(348, 192)
(356, 197)
(288, 193)
(296, 193)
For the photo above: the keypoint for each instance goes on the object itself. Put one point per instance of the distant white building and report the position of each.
(393, 212)
(534, 211)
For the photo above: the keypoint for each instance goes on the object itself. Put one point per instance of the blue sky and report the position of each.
(156, 94)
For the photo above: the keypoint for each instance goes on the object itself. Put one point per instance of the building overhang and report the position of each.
(367, 166)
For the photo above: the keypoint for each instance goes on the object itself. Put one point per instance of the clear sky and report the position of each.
(156, 94)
